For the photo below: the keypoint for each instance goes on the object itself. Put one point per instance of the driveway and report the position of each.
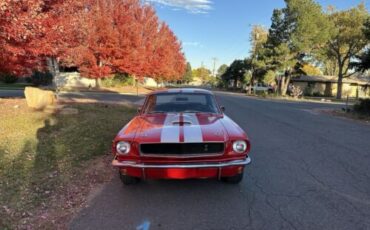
(308, 171)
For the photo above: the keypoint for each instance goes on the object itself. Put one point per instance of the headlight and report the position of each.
(123, 147)
(240, 146)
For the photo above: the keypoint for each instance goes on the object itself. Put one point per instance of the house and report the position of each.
(355, 86)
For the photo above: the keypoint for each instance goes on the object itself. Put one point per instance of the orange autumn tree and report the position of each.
(99, 37)
(19, 24)
(122, 37)
(32, 31)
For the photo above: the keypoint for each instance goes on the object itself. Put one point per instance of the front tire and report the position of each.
(129, 180)
(234, 179)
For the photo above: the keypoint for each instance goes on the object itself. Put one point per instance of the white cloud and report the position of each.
(193, 6)
(194, 44)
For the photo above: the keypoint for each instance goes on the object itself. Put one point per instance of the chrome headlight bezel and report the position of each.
(123, 147)
(240, 146)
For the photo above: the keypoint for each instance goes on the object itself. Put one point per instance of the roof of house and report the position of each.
(360, 80)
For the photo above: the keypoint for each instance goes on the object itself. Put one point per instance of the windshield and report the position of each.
(181, 103)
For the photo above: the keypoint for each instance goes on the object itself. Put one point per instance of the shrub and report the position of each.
(124, 79)
(363, 107)
(41, 78)
(296, 91)
(261, 93)
(317, 94)
(107, 82)
(8, 78)
(118, 80)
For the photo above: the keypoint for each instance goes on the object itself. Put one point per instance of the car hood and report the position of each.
(181, 128)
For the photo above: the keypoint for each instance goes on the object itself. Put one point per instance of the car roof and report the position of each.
(181, 90)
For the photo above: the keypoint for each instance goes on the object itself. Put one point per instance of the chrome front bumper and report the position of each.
(132, 164)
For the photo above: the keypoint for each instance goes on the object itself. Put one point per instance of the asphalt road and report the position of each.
(72, 96)
(308, 171)
(11, 93)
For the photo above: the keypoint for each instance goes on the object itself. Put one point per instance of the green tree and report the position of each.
(221, 70)
(256, 63)
(188, 77)
(363, 62)
(256, 69)
(330, 66)
(235, 72)
(299, 29)
(347, 40)
(279, 55)
(269, 77)
(203, 74)
(307, 24)
(248, 78)
(309, 69)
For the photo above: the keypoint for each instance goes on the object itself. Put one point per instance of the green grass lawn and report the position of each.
(41, 153)
(353, 115)
(14, 85)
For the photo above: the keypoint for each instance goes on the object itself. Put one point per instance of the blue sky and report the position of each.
(220, 28)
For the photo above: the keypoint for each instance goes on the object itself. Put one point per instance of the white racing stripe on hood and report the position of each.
(170, 133)
(192, 133)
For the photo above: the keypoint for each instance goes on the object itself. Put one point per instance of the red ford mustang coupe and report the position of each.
(181, 134)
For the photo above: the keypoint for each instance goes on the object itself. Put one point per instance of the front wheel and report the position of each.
(129, 180)
(234, 179)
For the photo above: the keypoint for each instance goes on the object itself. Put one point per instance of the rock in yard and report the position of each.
(39, 99)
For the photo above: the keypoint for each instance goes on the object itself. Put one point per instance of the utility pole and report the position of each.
(214, 66)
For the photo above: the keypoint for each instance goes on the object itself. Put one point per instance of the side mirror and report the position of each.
(223, 109)
(139, 109)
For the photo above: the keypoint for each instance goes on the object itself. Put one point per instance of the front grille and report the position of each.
(182, 148)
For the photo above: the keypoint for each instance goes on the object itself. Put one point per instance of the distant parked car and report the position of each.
(260, 87)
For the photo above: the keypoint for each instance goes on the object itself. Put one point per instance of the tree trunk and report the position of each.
(340, 86)
(53, 67)
(285, 81)
(340, 83)
(97, 83)
(282, 85)
(97, 80)
(278, 89)
(251, 84)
